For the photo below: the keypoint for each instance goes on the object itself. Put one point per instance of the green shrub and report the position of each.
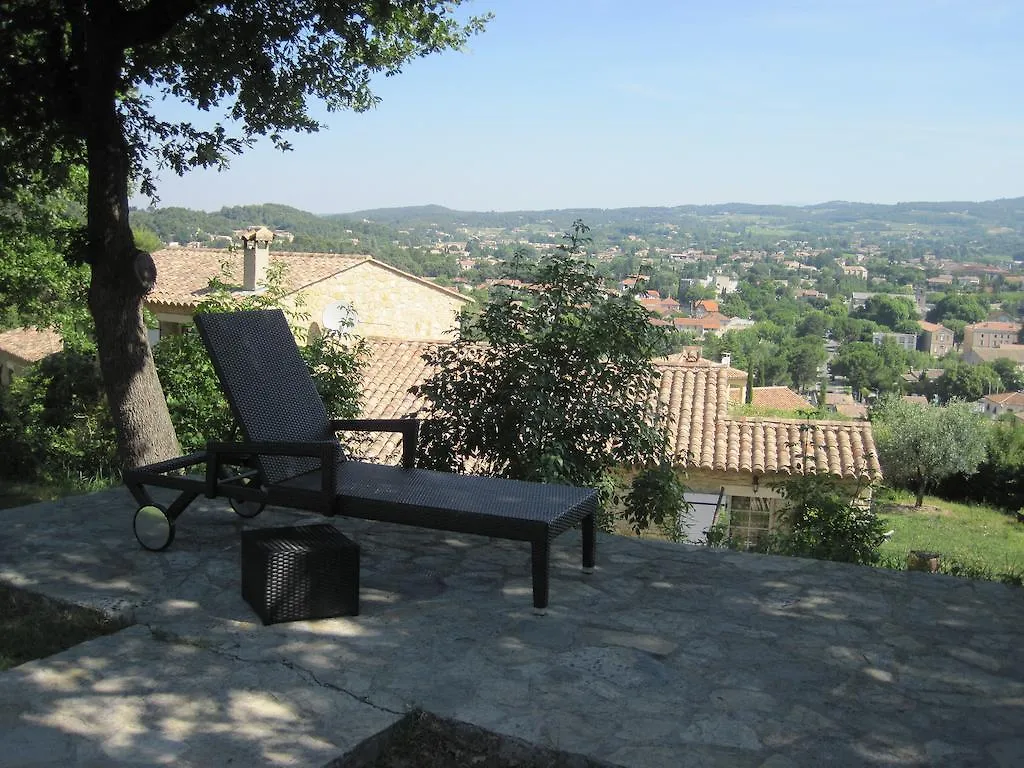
(195, 402)
(823, 521)
(657, 496)
(820, 519)
(54, 423)
(558, 392)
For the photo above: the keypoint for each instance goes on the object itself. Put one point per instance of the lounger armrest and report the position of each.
(325, 450)
(410, 429)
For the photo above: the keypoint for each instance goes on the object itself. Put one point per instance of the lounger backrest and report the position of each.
(267, 384)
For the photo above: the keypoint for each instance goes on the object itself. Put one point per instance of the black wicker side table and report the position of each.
(300, 572)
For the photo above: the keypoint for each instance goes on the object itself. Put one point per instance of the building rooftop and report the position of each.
(1006, 399)
(695, 397)
(30, 344)
(780, 398)
(704, 436)
(184, 274)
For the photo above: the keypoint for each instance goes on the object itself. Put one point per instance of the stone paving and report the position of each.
(668, 655)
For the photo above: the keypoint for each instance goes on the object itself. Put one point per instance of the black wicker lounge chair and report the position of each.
(291, 457)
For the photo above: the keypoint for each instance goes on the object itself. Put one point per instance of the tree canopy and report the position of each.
(41, 282)
(897, 313)
(83, 81)
(870, 366)
(919, 445)
(965, 381)
(958, 308)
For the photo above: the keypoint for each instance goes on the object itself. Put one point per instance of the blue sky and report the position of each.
(577, 103)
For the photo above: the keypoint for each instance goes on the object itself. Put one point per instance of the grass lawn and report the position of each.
(973, 540)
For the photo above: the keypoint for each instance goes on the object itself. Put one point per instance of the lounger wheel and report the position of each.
(242, 507)
(154, 530)
(246, 509)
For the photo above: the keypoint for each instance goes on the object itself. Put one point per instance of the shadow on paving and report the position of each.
(668, 655)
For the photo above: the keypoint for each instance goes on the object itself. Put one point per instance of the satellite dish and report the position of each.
(340, 316)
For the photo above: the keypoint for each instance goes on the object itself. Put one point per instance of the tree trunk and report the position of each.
(121, 275)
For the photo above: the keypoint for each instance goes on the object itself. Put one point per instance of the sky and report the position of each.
(605, 104)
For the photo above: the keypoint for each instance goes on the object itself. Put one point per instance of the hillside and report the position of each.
(988, 230)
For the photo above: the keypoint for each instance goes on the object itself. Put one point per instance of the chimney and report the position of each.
(726, 359)
(256, 258)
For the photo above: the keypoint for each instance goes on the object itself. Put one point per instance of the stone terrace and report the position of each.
(667, 655)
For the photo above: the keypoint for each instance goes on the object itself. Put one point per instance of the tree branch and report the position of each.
(154, 20)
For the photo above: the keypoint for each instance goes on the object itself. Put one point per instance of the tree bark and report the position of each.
(121, 275)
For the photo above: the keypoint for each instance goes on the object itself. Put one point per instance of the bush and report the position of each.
(55, 425)
(657, 496)
(551, 382)
(195, 402)
(823, 521)
(999, 481)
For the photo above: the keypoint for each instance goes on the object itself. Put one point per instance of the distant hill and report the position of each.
(994, 213)
(994, 227)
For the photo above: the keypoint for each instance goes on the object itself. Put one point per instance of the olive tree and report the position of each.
(919, 445)
(83, 80)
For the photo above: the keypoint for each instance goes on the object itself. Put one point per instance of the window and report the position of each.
(170, 329)
(750, 518)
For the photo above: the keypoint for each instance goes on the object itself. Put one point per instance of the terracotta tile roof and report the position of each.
(932, 327)
(993, 326)
(711, 322)
(687, 322)
(705, 437)
(394, 366)
(30, 344)
(696, 402)
(690, 358)
(780, 398)
(1006, 399)
(183, 274)
(661, 306)
(916, 399)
